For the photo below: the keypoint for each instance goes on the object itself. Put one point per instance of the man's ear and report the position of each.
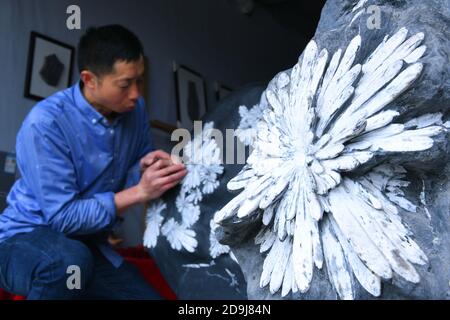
(89, 79)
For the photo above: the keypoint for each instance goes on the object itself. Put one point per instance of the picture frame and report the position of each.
(222, 91)
(190, 95)
(49, 66)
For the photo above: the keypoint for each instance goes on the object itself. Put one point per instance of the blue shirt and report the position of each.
(72, 161)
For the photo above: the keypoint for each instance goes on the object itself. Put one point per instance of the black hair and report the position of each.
(99, 48)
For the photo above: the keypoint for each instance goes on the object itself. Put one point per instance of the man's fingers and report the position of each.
(161, 163)
(152, 157)
(169, 186)
(176, 160)
(162, 168)
(170, 169)
(175, 177)
(147, 161)
(161, 154)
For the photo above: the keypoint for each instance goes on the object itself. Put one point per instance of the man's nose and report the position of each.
(134, 93)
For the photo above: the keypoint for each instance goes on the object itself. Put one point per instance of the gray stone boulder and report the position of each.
(428, 171)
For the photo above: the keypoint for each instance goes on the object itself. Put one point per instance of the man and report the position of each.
(74, 151)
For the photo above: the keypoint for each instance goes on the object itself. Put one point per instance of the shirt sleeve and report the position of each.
(146, 143)
(47, 168)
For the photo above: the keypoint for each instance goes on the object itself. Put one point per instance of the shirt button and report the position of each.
(111, 131)
(94, 121)
(112, 181)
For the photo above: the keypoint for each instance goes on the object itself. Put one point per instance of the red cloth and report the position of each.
(9, 296)
(142, 260)
(149, 270)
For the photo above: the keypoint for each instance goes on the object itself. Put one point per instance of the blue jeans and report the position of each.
(37, 265)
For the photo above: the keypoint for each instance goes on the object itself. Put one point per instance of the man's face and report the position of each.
(119, 90)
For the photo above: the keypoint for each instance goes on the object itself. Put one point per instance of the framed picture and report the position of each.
(191, 96)
(50, 65)
(222, 91)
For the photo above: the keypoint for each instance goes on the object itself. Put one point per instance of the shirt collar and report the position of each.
(86, 108)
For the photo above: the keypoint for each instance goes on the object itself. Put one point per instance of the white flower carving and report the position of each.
(215, 247)
(204, 165)
(246, 131)
(324, 119)
(154, 220)
(179, 236)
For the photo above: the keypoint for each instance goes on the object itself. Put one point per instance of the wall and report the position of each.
(211, 37)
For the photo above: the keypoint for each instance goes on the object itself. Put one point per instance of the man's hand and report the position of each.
(160, 176)
(161, 172)
(154, 156)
